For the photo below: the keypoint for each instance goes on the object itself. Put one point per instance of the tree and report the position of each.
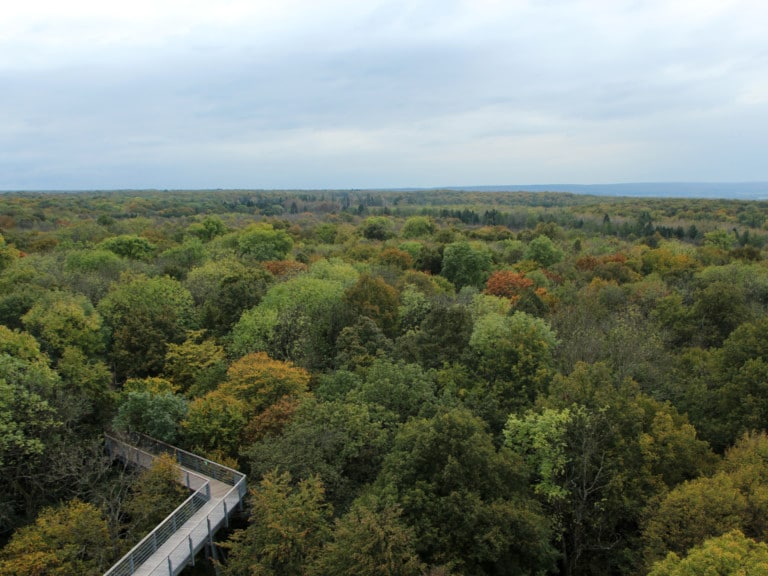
(288, 525)
(543, 251)
(465, 264)
(150, 406)
(514, 355)
(731, 554)
(260, 381)
(156, 493)
(403, 389)
(442, 337)
(508, 284)
(208, 229)
(467, 502)
(343, 442)
(215, 421)
(601, 451)
(224, 289)
(196, 363)
(417, 227)
(298, 319)
(145, 315)
(60, 320)
(369, 540)
(129, 246)
(8, 254)
(67, 540)
(262, 242)
(371, 296)
(377, 228)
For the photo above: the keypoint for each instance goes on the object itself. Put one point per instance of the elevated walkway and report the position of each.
(216, 492)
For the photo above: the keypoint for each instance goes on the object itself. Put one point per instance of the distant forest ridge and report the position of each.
(704, 190)
(725, 190)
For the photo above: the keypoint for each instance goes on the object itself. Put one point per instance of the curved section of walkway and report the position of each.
(217, 492)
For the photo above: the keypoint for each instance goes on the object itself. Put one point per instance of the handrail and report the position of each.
(202, 533)
(188, 459)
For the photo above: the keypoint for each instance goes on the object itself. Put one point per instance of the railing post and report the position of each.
(154, 542)
(188, 488)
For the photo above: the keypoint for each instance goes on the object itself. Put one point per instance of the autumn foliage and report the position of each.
(508, 284)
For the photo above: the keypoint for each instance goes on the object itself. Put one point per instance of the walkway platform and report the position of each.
(216, 492)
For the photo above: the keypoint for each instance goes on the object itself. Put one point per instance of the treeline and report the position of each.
(415, 382)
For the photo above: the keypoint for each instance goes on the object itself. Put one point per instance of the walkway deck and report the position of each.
(173, 543)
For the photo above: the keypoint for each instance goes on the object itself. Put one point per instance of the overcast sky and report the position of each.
(367, 93)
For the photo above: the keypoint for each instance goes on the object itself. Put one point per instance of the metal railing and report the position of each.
(141, 449)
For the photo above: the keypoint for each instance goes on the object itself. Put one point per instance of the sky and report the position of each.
(317, 94)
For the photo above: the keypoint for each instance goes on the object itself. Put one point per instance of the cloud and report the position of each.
(232, 93)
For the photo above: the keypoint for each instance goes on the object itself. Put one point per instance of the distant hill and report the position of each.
(731, 190)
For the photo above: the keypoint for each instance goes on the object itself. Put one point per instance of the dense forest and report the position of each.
(416, 383)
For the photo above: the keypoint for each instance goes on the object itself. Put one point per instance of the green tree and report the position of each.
(208, 229)
(514, 356)
(287, 529)
(129, 246)
(156, 493)
(371, 296)
(731, 554)
(197, 364)
(343, 442)
(467, 502)
(60, 320)
(145, 315)
(67, 540)
(465, 264)
(150, 406)
(298, 319)
(543, 251)
(417, 227)
(8, 254)
(369, 540)
(223, 289)
(403, 389)
(215, 421)
(262, 242)
(377, 228)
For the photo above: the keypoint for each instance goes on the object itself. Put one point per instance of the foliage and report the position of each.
(465, 264)
(604, 324)
(343, 442)
(263, 242)
(155, 411)
(466, 501)
(156, 493)
(288, 526)
(129, 246)
(731, 554)
(145, 315)
(372, 297)
(68, 540)
(369, 540)
(192, 363)
(543, 251)
(61, 320)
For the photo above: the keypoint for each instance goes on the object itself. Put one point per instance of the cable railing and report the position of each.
(186, 459)
(141, 449)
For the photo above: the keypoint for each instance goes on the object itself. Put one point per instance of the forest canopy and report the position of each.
(443, 382)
